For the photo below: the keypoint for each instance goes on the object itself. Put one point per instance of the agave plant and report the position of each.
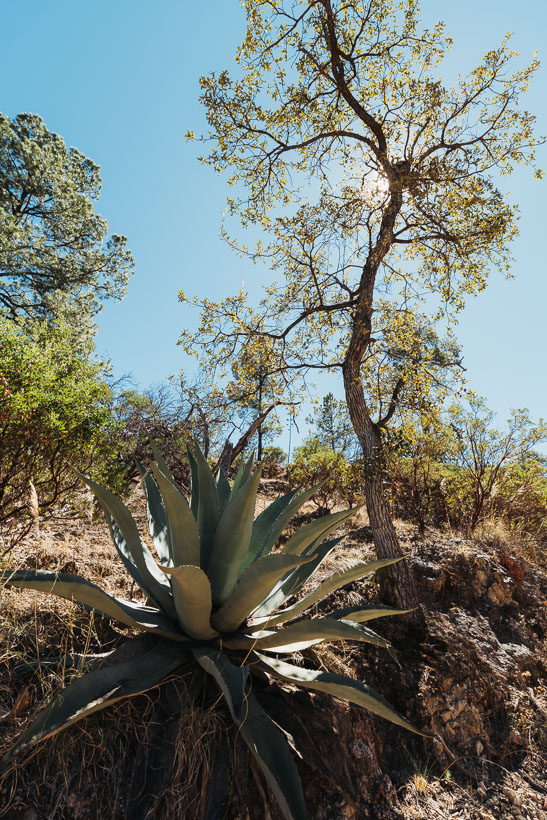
(219, 603)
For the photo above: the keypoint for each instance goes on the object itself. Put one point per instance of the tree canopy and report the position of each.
(332, 426)
(372, 179)
(55, 255)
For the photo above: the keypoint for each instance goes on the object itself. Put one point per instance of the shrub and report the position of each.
(417, 453)
(314, 463)
(55, 408)
(520, 501)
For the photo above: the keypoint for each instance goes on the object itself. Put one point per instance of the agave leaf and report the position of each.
(223, 490)
(243, 474)
(361, 614)
(319, 528)
(207, 506)
(101, 688)
(289, 505)
(294, 581)
(156, 516)
(243, 640)
(192, 596)
(232, 540)
(247, 470)
(237, 480)
(194, 483)
(293, 505)
(230, 679)
(338, 686)
(337, 580)
(162, 464)
(255, 584)
(248, 643)
(131, 547)
(90, 596)
(262, 736)
(271, 751)
(263, 524)
(316, 630)
(183, 530)
(120, 545)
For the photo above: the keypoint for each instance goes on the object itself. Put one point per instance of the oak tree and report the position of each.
(373, 183)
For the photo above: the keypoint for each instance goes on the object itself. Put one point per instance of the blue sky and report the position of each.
(119, 80)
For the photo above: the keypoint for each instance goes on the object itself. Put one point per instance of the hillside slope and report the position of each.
(474, 680)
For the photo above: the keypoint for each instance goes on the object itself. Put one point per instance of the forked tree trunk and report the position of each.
(231, 451)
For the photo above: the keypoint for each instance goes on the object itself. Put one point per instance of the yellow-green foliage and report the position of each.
(462, 471)
(55, 408)
(401, 202)
(315, 463)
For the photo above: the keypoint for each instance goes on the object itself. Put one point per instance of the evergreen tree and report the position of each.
(55, 256)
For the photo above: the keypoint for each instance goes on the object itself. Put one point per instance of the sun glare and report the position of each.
(376, 184)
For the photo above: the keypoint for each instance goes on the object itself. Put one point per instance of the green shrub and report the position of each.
(55, 408)
(273, 455)
(315, 463)
(353, 480)
(418, 473)
(467, 473)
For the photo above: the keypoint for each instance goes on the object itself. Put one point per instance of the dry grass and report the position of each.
(45, 642)
(85, 771)
(496, 533)
(198, 737)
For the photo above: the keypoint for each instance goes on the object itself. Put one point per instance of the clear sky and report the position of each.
(118, 79)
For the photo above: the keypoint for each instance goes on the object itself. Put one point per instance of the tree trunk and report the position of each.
(259, 450)
(400, 588)
(399, 585)
(259, 408)
(230, 452)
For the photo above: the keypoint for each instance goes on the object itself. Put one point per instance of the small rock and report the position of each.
(500, 592)
(519, 654)
(481, 576)
(360, 749)
(433, 576)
